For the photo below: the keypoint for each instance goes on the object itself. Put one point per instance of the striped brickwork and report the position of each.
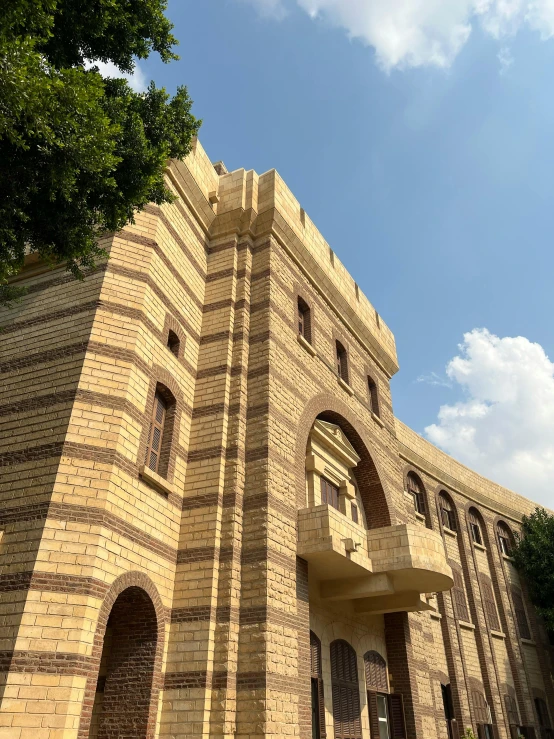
(201, 561)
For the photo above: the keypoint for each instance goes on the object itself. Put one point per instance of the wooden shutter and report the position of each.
(346, 696)
(155, 434)
(317, 672)
(475, 526)
(458, 596)
(376, 672)
(521, 616)
(490, 605)
(373, 714)
(329, 493)
(396, 715)
(447, 514)
(417, 493)
(542, 711)
(511, 710)
(480, 707)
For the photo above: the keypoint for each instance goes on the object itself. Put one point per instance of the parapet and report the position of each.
(244, 202)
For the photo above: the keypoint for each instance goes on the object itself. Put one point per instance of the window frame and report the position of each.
(415, 488)
(373, 390)
(341, 355)
(157, 423)
(304, 319)
(448, 516)
(334, 501)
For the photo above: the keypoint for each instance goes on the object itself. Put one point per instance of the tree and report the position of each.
(534, 558)
(80, 154)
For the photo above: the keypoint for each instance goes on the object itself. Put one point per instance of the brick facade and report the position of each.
(174, 603)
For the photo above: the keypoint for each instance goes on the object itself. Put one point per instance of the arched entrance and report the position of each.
(125, 696)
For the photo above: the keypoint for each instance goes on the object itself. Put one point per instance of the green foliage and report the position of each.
(79, 154)
(534, 558)
(468, 733)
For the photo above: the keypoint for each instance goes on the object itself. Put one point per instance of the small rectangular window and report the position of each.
(304, 320)
(354, 508)
(476, 533)
(155, 434)
(329, 493)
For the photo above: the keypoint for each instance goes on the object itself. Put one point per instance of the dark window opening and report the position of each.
(448, 517)
(448, 707)
(342, 362)
(475, 527)
(373, 396)
(318, 704)
(416, 491)
(354, 510)
(304, 320)
(329, 493)
(173, 343)
(511, 710)
(544, 719)
(482, 715)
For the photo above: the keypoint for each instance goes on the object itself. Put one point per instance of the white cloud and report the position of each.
(137, 80)
(434, 379)
(505, 58)
(415, 33)
(504, 429)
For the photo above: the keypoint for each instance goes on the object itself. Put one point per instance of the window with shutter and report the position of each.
(155, 435)
(373, 395)
(318, 701)
(304, 320)
(475, 527)
(376, 672)
(346, 696)
(354, 511)
(489, 605)
(416, 491)
(459, 596)
(511, 710)
(397, 720)
(342, 362)
(480, 708)
(504, 538)
(521, 615)
(447, 512)
(329, 493)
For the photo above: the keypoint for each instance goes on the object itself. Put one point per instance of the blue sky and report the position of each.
(429, 173)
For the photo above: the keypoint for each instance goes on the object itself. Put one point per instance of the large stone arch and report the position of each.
(376, 498)
(134, 603)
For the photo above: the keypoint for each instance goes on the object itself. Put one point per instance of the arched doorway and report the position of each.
(125, 697)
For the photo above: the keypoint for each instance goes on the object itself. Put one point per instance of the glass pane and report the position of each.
(382, 707)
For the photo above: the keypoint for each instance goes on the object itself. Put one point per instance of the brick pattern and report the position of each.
(180, 609)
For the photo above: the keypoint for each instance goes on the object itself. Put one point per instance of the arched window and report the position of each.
(346, 694)
(459, 594)
(376, 672)
(448, 516)
(342, 362)
(173, 343)
(158, 444)
(415, 488)
(373, 396)
(304, 320)
(521, 615)
(318, 704)
(482, 714)
(511, 710)
(475, 526)
(543, 716)
(505, 538)
(489, 603)
(386, 710)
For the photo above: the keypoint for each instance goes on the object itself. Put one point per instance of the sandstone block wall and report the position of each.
(211, 545)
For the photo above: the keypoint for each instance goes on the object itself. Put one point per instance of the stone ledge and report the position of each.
(449, 532)
(345, 386)
(498, 634)
(156, 481)
(304, 343)
(479, 546)
(467, 625)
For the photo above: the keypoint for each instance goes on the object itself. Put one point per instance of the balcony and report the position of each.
(381, 570)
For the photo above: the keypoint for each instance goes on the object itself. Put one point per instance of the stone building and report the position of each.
(212, 523)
